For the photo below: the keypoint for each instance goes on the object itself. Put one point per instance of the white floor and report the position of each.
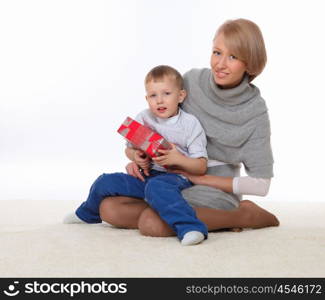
(34, 243)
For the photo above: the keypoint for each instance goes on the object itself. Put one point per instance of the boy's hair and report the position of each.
(244, 40)
(159, 72)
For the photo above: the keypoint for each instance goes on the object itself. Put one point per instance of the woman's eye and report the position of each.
(232, 57)
(153, 95)
(167, 93)
(217, 53)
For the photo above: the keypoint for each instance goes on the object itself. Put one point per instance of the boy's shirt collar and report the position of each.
(171, 120)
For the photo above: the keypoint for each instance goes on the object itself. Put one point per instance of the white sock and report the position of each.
(192, 238)
(72, 218)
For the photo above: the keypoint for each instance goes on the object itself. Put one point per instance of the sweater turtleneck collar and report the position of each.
(230, 116)
(232, 96)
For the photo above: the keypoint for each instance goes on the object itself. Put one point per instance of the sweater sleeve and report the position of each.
(247, 185)
(256, 153)
(258, 158)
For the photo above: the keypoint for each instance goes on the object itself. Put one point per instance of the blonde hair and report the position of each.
(244, 40)
(159, 72)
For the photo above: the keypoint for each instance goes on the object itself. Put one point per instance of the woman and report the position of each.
(235, 119)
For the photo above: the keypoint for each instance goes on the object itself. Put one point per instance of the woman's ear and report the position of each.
(182, 96)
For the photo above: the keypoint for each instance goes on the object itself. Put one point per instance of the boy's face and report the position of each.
(163, 97)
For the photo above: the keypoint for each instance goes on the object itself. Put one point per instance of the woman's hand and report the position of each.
(143, 161)
(133, 169)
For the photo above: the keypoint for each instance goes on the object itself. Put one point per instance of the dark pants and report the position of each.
(162, 191)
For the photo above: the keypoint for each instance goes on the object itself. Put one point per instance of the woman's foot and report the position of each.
(236, 229)
(256, 216)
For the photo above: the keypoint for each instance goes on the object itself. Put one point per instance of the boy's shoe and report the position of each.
(192, 238)
(72, 218)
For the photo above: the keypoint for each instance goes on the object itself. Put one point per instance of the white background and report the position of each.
(71, 71)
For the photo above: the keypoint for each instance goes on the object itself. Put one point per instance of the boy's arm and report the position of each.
(197, 158)
(140, 158)
(195, 166)
(196, 161)
(173, 158)
(129, 152)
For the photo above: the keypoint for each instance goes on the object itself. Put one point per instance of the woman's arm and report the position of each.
(239, 185)
(219, 182)
(247, 185)
(196, 166)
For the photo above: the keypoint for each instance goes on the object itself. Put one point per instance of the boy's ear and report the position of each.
(182, 96)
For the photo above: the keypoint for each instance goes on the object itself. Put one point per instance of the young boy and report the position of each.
(161, 190)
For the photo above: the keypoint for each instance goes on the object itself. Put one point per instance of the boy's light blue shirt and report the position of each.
(184, 130)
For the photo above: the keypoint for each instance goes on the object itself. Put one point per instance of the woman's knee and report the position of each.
(109, 211)
(122, 212)
(150, 224)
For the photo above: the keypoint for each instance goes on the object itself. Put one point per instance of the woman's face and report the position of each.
(227, 70)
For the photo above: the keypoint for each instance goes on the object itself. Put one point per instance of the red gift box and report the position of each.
(142, 137)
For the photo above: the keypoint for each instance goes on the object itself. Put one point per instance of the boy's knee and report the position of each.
(106, 177)
(104, 181)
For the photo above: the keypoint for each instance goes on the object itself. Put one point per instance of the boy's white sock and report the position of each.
(192, 238)
(72, 218)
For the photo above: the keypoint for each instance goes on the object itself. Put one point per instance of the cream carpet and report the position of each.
(34, 243)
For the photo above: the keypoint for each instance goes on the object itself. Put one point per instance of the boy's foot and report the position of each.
(72, 218)
(192, 238)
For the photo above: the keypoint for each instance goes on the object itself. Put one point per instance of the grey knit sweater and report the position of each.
(235, 121)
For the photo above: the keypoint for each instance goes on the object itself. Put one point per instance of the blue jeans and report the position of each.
(161, 190)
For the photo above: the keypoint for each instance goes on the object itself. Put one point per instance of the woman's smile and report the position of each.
(221, 74)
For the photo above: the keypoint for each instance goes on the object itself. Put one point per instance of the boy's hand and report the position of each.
(168, 157)
(142, 160)
(133, 169)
